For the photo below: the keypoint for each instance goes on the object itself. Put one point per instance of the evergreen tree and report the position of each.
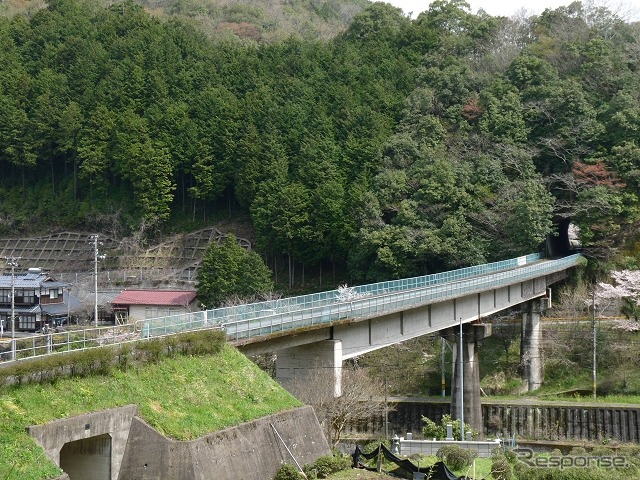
(229, 270)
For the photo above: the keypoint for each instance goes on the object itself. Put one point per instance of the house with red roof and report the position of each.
(133, 305)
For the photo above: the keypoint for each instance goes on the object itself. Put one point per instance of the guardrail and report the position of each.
(246, 321)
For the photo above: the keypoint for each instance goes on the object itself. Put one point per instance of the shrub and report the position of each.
(152, 349)
(288, 472)
(456, 457)
(201, 342)
(124, 356)
(432, 430)
(328, 464)
(501, 468)
(602, 452)
(629, 450)
(310, 471)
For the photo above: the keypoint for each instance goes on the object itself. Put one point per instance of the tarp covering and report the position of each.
(437, 471)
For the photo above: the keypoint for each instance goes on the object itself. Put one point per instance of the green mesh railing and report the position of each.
(246, 321)
(273, 308)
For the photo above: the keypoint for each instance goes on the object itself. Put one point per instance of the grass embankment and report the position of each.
(183, 397)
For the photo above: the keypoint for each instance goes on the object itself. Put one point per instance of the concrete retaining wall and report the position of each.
(536, 421)
(251, 450)
(564, 422)
(114, 422)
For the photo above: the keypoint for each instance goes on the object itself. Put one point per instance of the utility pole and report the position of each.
(461, 370)
(593, 331)
(96, 257)
(13, 263)
(442, 377)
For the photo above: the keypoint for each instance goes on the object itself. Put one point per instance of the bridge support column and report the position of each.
(531, 339)
(316, 364)
(472, 335)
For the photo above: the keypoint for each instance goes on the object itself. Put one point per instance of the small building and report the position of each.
(39, 300)
(133, 305)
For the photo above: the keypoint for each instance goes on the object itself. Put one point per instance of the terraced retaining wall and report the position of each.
(540, 421)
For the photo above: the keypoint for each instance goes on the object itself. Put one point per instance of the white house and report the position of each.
(133, 305)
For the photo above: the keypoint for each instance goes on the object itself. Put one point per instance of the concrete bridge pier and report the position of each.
(472, 336)
(530, 344)
(317, 365)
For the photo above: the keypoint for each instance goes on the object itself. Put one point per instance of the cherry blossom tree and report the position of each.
(626, 287)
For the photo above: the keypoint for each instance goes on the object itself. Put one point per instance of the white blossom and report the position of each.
(626, 285)
(346, 293)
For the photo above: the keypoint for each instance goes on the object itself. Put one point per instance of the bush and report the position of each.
(501, 468)
(152, 350)
(310, 471)
(100, 361)
(432, 430)
(288, 472)
(124, 356)
(578, 451)
(328, 464)
(602, 452)
(456, 457)
(201, 342)
(629, 451)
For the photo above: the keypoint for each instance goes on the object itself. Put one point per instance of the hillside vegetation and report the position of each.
(399, 147)
(183, 397)
(262, 20)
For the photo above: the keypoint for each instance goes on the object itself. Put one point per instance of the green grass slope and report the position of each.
(183, 397)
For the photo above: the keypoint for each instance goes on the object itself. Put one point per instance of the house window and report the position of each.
(27, 322)
(156, 312)
(25, 296)
(53, 293)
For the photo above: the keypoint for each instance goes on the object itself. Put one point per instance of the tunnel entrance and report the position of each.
(87, 459)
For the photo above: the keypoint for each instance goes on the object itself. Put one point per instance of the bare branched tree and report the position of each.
(362, 397)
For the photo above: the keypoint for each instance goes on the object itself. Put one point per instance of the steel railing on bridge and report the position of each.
(262, 318)
(367, 306)
(284, 306)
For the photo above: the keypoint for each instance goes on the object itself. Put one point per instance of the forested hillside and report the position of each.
(262, 20)
(400, 147)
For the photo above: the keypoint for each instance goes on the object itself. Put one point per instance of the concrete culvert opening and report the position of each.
(87, 459)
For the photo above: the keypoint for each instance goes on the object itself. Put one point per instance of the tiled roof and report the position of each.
(24, 280)
(155, 297)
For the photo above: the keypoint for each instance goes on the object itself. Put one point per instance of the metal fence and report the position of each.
(250, 320)
(284, 306)
(386, 302)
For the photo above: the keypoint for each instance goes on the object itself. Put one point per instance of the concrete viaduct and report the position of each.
(368, 322)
